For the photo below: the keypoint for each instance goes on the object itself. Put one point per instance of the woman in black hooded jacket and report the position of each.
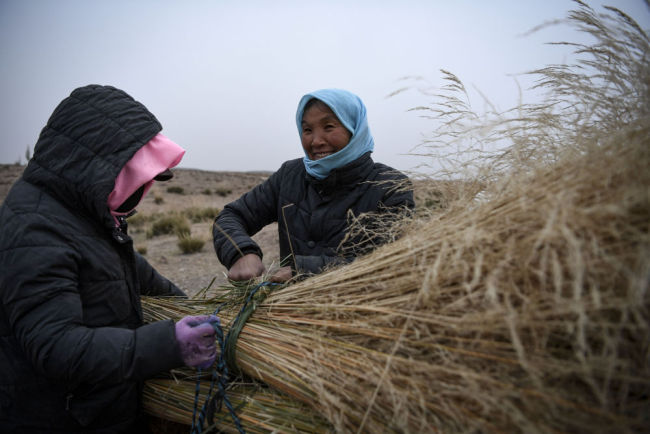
(73, 348)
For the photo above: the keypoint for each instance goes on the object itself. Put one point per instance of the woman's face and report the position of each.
(322, 132)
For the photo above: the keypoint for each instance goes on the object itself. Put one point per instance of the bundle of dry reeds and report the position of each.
(524, 311)
(259, 409)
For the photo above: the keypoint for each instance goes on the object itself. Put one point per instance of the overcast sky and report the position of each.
(224, 77)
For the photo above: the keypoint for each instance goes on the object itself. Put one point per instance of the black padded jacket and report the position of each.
(73, 348)
(313, 215)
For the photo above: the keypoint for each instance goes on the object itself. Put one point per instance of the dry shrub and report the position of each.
(188, 244)
(169, 224)
(197, 214)
(222, 191)
(176, 189)
(520, 309)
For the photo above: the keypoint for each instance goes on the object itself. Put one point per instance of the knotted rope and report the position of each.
(226, 360)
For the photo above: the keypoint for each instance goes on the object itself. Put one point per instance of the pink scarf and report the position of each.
(158, 155)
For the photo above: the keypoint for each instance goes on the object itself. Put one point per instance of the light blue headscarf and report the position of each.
(352, 113)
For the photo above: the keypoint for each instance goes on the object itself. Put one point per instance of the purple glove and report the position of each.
(196, 339)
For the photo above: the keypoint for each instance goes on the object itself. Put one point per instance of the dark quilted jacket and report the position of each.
(73, 348)
(312, 215)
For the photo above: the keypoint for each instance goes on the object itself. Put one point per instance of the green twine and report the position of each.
(225, 361)
(255, 297)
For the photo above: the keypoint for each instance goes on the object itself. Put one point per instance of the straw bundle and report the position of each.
(174, 396)
(529, 312)
(525, 311)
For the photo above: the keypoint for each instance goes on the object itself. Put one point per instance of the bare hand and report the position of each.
(282, 275)
(247, 267)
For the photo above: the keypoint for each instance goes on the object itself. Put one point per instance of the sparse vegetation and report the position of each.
(175, 189)
(174, 222)
(170, 224)
(188, 244)
(197, 215)
(207, 192)
(223, 192)
(158, 200)
(138, 220)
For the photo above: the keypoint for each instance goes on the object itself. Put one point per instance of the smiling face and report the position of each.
(322, 132)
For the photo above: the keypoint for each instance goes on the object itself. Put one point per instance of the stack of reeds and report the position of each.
(524, 311)
(182, 395)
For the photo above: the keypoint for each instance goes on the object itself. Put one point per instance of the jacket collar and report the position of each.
(345, 177)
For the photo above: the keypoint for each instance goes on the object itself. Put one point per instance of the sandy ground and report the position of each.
(191, 272)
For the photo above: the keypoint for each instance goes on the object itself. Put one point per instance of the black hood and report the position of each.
(90, 136)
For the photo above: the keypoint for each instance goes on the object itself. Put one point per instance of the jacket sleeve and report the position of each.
(243, 218)
(152, 282)
(43, 306)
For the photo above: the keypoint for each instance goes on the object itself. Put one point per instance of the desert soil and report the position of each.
(190, 272)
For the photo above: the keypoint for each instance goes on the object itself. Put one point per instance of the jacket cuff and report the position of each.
(251, 248)
(158, 338)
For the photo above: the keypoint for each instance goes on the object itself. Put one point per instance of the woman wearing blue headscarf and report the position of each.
(313, 198)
